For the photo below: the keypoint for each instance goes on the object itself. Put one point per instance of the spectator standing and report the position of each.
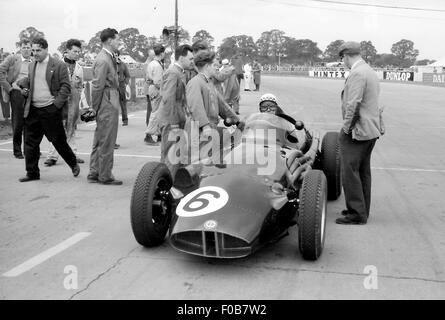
(151, 56)
(362, 126)
(256, 69)
(70, 112)
(105, 103)
(231, 87)
(124, 80)
(248, 79)
(47, 97)
(154, 74)
(12, 70)
(173, 109)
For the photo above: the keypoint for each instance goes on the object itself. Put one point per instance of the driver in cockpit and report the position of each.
(269, 104)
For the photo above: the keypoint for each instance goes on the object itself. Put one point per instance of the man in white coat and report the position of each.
(248, 77)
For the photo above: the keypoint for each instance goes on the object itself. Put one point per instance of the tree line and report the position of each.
(273, 47)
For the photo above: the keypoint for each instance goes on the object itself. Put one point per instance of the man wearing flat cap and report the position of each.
(362, 126)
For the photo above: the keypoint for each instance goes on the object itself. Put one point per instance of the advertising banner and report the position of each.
(437, 79)
(398, 76)
(320, 73)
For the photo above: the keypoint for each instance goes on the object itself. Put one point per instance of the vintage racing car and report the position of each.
(230, 210)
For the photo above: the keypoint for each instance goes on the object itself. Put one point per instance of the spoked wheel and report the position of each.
(312, 215)
(151, 204)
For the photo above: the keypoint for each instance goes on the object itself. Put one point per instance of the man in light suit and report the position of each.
(362, 126)
(173, 108)
(49, 91)
(105, 103)
(12, 70)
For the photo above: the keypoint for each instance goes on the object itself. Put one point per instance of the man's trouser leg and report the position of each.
(123, 103)
(18, 108)
(166, 145)
(365, 175)
(107, 119)
(33, 136)
(149, 108)
(52, 124)
(353, 153)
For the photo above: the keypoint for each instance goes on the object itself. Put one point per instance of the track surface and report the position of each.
(404, 239)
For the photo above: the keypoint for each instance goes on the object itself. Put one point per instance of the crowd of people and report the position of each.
(46, 94)
(196, 90)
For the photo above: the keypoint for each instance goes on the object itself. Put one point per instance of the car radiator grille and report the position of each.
(210, 244)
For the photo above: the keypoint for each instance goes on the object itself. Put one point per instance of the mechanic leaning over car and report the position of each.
(362, 126)
(204, 101)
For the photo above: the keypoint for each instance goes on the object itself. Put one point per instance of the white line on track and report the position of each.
(158, 157)
(42, 257)
(409, 169)
(6, 142)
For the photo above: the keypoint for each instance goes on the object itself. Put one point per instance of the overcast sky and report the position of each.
(303, 19)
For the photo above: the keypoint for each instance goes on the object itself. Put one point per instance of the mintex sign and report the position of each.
(329, 74)
(398, 76)
(437, 79)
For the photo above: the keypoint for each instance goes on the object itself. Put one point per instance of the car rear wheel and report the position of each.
(312, 215)
(151, 204)
(331, 165)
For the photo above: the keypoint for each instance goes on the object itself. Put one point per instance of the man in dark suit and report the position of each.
(105, 101)
(12, 70)
(362, 126)
(49, 91)
(124, 80)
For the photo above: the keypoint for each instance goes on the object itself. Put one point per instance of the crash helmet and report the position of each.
(269, 104)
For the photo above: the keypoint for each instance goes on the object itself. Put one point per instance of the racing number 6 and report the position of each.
(199, 199)
(202, 201)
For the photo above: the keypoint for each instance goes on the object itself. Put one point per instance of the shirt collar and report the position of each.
(179, 66)
(109, 52)
(356, 63)
(24, 59)
(205, 77)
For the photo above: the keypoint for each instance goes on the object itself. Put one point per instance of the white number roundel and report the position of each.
(202, 201)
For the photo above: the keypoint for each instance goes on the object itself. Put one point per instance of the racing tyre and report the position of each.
(330, 164)
(312, 215)
(151, 204)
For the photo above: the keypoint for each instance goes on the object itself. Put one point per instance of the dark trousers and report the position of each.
(356, 173)
(123, 102)
(18, 108)
(149, 108)
(240, 77)
(45, 121)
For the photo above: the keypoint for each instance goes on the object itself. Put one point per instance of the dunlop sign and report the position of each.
(398, 76)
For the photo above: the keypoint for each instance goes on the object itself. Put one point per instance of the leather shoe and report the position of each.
(344, 213)
(28, 178)
(350, 220)
(92, 178)
(19, 156)
(125, 123)
(80, 160)
(50, 162)
(75, 170)
(113, 182)
(117, 146)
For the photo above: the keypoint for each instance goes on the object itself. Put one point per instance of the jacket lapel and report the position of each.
(50, 71)
(17, 65)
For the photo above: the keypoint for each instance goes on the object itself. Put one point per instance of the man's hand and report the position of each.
(241, 125)
(206, 131)
(25, 92)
